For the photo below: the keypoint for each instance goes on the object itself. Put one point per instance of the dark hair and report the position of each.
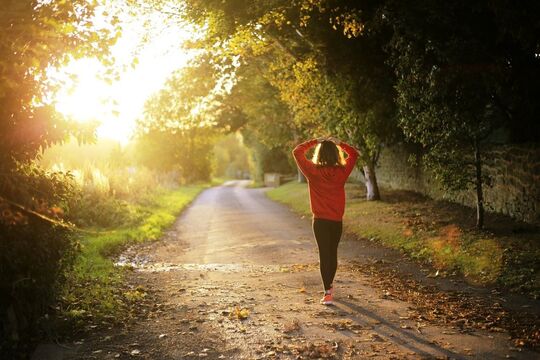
(328, 154)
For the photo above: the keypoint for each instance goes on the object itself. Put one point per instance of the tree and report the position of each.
(34, 249)
(223, 98)
(187, 153)
(345, 84)
(267, 128)
(38, 35)
(231, 158)
(453, 84)
(177, 131)
(332, 81)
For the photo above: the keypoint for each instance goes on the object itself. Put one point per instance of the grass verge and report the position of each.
(94, 291)
(255, 184)
(439, 233)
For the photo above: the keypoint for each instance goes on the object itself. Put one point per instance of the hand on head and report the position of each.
(329, 138)
(334, 140)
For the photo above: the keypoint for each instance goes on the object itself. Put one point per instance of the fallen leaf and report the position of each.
(240, 313)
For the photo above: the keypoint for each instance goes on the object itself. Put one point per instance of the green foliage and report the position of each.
(34, 189)
(231, 157)
(453, 82)
(177, 133)
(185, 100)
(346, 67)
(188, 153)
(294, 75)
(267, 116)
(105, 182)
(341, 90)
(264, 159)
(328, 82)
(36, 36)
(445, 102)
(30, 276)
(267, 128)
(101, 210)
(34, 254)
(104, 168)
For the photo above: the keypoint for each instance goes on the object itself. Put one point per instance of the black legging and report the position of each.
(327, 233)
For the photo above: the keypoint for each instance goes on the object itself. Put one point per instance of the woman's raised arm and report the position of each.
(352, 156)
(299, 154)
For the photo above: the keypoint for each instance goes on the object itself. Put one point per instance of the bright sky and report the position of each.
(116, 106)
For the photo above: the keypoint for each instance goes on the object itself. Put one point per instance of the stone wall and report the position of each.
(514, 170)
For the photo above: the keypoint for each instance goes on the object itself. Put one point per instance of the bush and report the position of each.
(33, 259)
(107, 197)
(34, 252)
(187, 152)
(95, 209)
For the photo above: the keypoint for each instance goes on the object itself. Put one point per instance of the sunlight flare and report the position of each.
(145, 55)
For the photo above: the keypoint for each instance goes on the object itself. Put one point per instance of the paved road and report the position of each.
(233, 224)
(237, 278)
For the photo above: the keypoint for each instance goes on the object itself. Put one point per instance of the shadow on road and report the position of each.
(399, 336)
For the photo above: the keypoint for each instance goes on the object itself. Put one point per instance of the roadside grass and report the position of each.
(255, 184)
(216, 181)
(95, 291)
(505, 254)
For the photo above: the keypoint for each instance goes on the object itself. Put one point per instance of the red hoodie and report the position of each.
(326, 183)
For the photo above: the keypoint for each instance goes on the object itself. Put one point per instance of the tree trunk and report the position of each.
(478, 183)
(301, 177)
(372, 188)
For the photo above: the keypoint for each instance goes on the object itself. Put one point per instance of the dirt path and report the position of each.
(237, 278)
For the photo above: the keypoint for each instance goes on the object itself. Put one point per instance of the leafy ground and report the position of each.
(442, 234)
(96, 292)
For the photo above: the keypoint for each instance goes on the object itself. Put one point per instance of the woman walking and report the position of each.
(326, 175)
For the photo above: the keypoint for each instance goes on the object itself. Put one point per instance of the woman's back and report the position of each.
(326, 182)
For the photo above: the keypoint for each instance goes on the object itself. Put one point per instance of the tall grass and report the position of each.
(115, 204)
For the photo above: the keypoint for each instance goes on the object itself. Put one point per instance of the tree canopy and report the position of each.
(326, 61)
(446, 76)
(36, 36)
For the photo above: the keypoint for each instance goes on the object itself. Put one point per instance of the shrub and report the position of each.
(95, 209)
(34, 253)
(107, 197)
